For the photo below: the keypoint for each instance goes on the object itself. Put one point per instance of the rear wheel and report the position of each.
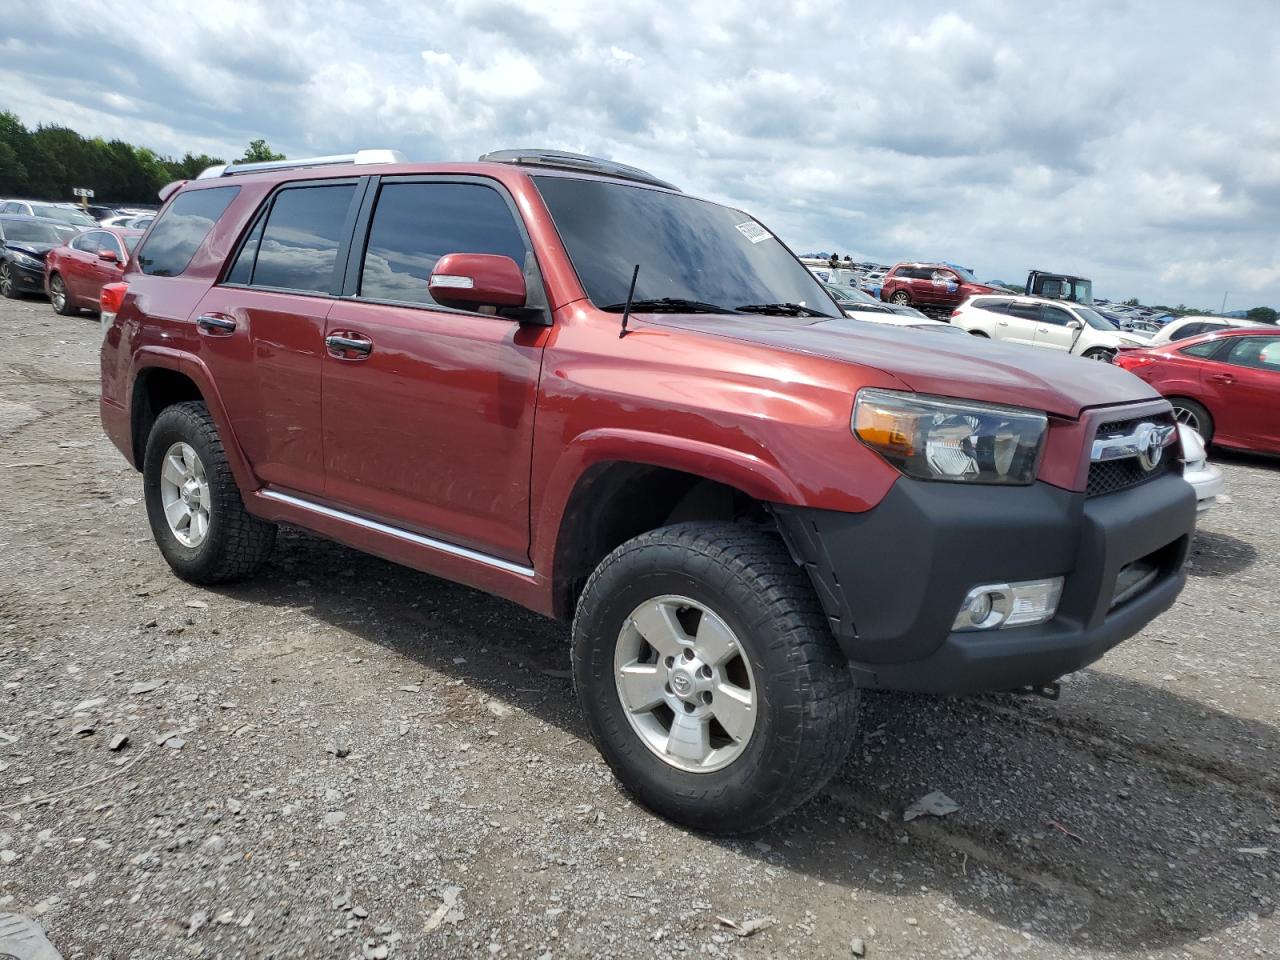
(901, 297)
(1195, 416)
(196, 513)
(8, 285)
(979, 333)
(59, 297)
(710, 679)
(1101, 354)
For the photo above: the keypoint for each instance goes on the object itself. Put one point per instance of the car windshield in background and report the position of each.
(687, 249)
(1095, 319)
(852, 295)
(30, 231)
(65, 214)
(965, 275)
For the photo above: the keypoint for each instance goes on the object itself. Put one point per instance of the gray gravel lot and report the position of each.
(344, 758)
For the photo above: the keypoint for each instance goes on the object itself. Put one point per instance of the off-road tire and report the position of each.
(66, 308)
(807, 700)
(237, 543)
(1204, 419)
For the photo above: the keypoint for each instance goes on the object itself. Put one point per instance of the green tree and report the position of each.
(1132, 302)
(258, 151)
(1262, 315)
(190, 166)
(13, 175)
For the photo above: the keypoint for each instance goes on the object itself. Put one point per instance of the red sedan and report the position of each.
(1225, 385)
(75, 272)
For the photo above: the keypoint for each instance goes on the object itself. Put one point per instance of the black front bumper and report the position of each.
(26, 279)
(892, 579)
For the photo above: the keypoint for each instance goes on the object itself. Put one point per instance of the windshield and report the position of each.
(687, 249)
(1095, 319)
(854, 294)
(30, 231)
(965, 275)
(65, 214)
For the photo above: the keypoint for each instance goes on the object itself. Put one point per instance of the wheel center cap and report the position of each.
(681, 683)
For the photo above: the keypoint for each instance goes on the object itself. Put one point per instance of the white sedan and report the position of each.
(1205, 478)
(1039, 322)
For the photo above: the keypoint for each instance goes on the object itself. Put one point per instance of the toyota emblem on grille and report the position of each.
(1151, 440)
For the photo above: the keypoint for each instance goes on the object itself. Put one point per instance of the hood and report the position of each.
(970, 368)
(37, 250)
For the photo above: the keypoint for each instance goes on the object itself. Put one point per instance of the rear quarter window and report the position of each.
(181, 229)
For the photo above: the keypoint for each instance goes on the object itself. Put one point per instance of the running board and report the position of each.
(405, 536)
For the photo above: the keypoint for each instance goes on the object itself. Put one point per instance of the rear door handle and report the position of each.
(340, 344)
(210, 323)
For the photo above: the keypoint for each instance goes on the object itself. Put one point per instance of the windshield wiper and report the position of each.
(670, 305)
(784, 309)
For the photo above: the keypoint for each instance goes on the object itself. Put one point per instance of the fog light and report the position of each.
(1000, 605)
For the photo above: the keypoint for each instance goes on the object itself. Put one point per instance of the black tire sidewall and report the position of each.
(712, 800)
(175, 424)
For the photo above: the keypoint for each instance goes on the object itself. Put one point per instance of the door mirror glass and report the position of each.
(1074, 325)
(470, 280)
(111, 256)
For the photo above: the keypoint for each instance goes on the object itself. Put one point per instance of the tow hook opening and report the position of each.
(1050, 691)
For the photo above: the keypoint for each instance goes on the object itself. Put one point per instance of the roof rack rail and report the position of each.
(561, 160)
(360, 156)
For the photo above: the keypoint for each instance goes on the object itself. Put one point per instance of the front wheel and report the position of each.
(1101, 354)
(1195, 416)
(710, 679)
(8, 285)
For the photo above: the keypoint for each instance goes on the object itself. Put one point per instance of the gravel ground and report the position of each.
(344, 758)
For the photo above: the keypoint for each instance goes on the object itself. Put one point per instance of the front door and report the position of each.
(1242, 385)
(1053, 330)
(428, 423)
(261, 331)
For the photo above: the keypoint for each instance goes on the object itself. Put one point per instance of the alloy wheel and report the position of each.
(184, 494)
(6, 280)
(1188, 417)
(58, 294)
(685, 684)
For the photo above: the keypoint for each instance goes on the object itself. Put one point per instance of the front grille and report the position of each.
(1112, 476)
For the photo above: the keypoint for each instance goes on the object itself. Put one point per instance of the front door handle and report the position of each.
(342, 344)
(1004, 323)
(210, 323)
(1222, 378)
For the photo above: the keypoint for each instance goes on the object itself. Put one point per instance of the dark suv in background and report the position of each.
(933, 285)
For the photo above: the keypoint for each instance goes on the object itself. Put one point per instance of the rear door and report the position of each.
(1019, 324)
(1242, 390)
(430, 427)
(1053, 330)
(78, 265)
(262, 328)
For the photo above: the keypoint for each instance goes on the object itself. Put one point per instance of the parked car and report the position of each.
(746, 509)
(76, 272)
(1205, 478)
(1184, 328)
(1039, 322)
(62, 212)
(862, 306)
(1225, 385)
(930, 285)
(24, 241)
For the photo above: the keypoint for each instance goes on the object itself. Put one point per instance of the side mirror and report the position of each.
(469, 280)
(109, 255)
(1074, 325)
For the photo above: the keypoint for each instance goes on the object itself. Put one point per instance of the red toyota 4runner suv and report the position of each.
(931, 285)
(565, 382)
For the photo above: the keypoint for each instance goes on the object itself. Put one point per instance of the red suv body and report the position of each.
(934, 285)
(567, 383)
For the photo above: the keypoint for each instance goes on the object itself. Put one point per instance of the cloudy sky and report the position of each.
(1134, 142)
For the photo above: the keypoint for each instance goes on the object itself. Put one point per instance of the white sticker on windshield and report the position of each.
(754, 232)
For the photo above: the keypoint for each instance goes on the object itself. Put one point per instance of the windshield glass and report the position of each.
(30, 231)
(854, 294)
(65, 214)
(963, 274)
(686, 248)
(1095, 319)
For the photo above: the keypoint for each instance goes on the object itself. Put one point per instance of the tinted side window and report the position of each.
(182, 228)
(1202, 350)
(1190, 330)
(991, 305)
(415, 224)
(87, 242)
(300, 241)
(242, 270)
(1025, 311)
(1261, 353)
(1056, 316)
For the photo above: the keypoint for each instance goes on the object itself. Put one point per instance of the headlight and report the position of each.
(25, 259)
(933, 439)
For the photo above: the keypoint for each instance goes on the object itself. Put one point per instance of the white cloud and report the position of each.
(1078, 134)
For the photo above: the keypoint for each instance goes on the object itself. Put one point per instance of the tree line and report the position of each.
(47, 163)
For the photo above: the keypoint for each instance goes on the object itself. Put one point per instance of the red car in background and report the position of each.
(931, 285)
(1225, 385)
(75, 273)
